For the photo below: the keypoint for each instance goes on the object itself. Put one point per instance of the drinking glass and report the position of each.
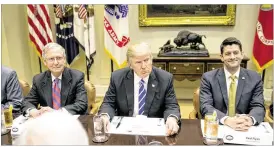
(8, 116)
(212, 131)
(155, 143)
(99, 130)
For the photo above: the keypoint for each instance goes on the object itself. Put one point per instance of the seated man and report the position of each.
(57, 88)
(141, 89)
(53, 128)
(11, 92)
(233, 90)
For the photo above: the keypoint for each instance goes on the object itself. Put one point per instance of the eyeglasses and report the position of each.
(51, 60)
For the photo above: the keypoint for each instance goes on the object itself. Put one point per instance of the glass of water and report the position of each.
(212, 131)
(155, 143)
(99, 130)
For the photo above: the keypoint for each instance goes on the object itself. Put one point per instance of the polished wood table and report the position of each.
(190, 134)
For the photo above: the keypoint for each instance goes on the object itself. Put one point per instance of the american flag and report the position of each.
(58, 11)
(82, 11)
(39, 26)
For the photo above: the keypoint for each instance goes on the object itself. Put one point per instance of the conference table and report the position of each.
(189, 134)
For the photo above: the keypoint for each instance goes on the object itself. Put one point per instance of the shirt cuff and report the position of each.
(222, 121)
(105, 114)
(254, 120)
(27, 112)
(172, 115)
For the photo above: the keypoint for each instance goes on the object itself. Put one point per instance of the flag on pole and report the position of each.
(64, 31)
(84, 30)
(39, 26)
(263, 42)
(116, 33)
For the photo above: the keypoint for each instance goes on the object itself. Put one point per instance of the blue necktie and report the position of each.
(142, 97)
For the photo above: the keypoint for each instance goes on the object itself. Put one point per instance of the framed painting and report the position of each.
(179, 15)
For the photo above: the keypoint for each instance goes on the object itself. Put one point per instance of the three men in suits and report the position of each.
(58, 88)
(141, 89)
(235, 93)
(11, 92)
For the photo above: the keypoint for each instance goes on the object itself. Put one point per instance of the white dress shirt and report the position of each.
(228, 82)
(60, 79)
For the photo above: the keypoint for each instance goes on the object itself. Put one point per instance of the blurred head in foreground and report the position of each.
(53, 128)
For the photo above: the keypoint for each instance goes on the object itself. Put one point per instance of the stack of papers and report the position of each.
(256, 135)
(138, 126)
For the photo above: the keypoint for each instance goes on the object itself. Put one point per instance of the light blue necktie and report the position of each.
(142, 97)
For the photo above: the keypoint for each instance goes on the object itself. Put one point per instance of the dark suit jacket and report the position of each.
(160, 99)
(249, 95)
(73, 92)
(11, 91)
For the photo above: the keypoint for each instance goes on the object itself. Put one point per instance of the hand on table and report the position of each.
(171, 126)
(34, 113)
(46, 109)
(239, 123)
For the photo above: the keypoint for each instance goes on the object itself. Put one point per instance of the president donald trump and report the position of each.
(141, 89)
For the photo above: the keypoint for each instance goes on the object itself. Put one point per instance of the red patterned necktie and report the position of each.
(56, 95)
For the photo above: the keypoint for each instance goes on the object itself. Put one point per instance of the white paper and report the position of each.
(18, 126)
(256, 135)
(138, 126)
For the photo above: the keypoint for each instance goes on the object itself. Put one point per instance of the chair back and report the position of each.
(91, 94)
(196, 102)
(268, 117)
(25, 87)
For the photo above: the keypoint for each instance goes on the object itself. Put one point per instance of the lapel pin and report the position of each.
(243, 78)
(153, 85)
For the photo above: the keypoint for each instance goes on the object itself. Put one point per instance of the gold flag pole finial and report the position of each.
(266, 6)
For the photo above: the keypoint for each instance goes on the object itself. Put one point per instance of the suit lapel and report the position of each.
(65, 86)
(222, 83)
(240, 87)
(47, 88)
(129, 85)
(151, 89)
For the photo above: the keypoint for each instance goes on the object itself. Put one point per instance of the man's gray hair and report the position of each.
(53, 128)
(52, 45)
(138, 49)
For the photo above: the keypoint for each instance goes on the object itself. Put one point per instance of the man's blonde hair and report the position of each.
(137, 50)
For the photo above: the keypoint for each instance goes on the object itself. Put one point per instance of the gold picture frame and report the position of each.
(192, 19)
